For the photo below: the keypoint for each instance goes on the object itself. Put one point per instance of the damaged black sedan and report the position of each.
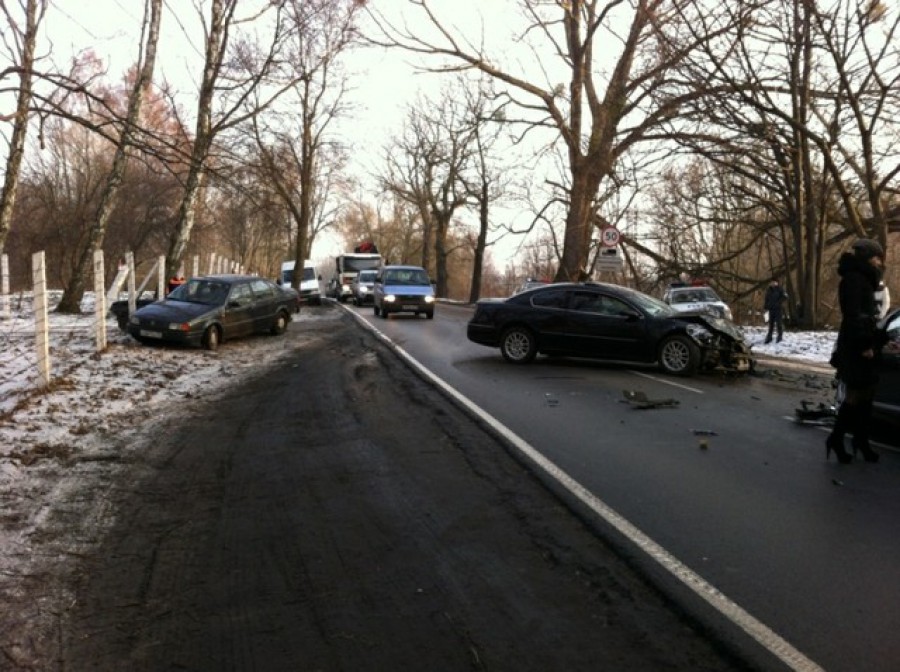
(610, 323)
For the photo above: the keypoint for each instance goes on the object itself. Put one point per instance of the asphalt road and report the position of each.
(748, 508)
(335, 512)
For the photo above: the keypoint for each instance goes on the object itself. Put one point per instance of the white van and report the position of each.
(309, 283)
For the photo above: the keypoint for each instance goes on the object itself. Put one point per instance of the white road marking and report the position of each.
(664, 381)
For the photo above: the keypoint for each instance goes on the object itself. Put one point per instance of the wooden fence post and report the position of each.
(132, 303)
(4, 286)
(161, 279)
(99, 302)
(41, 321)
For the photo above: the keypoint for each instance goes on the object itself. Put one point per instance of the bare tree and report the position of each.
(232, 75)
(71, 298)
(297, 155)
(20, 41)
(605, 107)
(809, 133)
(426, 167)
(487, 182)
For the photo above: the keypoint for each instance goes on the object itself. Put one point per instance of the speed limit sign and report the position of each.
(609, 237)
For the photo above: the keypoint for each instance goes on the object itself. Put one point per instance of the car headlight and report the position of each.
(179, 326)
(699, 333)
(727, 312)
(363, 290)
(429, 299)
(389, 298)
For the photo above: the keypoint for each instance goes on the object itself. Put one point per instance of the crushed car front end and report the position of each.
(721, 342)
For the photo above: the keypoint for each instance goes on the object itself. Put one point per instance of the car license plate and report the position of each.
(151, 334)
(410, 306)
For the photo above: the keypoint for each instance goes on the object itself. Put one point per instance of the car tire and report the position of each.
(518, 345)
(212, 337)
(375, 310)
(679, 355)
(384, 313)
(430, 314)
(281, 322)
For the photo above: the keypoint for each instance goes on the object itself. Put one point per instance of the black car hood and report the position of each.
(174, 311)
(717, 324)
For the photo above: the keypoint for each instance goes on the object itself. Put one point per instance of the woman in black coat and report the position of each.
(857, 349)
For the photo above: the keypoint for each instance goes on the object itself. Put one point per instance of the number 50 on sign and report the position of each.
(609, 236)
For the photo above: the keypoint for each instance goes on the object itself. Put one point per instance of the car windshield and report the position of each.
(198, 290)
(367, 276)
(695, 295)
(406, 276)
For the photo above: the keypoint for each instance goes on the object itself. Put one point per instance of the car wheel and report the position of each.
(518, 345)
(430, 314)
(375, 309)
(679, 356)
(212, 337)
(281, 322)
(384, 313)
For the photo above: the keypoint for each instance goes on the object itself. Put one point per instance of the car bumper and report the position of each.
(148, 335)
(482, 334)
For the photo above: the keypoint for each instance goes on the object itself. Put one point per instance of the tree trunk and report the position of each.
(20, 125)
(74, 292)
(215, 49)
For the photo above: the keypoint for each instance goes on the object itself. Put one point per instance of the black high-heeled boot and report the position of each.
(836, 443)
(860, 441)
(835, 440)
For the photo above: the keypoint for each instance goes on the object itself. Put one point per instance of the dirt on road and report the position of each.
(332, 511)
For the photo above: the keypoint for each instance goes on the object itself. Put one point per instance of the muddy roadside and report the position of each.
(331, 511)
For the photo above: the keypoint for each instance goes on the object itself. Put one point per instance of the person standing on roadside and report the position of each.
(773, 304)
(858, 348)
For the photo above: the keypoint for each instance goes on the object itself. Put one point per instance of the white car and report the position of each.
(690, 299)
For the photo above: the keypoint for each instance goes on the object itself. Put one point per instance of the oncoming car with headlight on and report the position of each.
(403, 289)
(611, 323)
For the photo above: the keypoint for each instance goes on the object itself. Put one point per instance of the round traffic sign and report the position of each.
(609, 236)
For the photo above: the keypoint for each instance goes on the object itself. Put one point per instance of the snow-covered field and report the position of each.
(62, 446)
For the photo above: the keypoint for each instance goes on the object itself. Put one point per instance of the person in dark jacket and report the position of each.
(773, 303)
(858, 348)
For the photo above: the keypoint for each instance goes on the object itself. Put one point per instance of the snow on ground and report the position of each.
(65, 443)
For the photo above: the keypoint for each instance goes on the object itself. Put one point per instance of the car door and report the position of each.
(264, 307)
(237, 317)
(887, 394)
(606, 327)
(546, 315)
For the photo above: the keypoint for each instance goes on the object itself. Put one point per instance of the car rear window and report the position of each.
(552, 298)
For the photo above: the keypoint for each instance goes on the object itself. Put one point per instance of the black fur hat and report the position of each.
(866, 248)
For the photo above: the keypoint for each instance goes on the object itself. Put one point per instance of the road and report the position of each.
(807, 548)
(331, 511)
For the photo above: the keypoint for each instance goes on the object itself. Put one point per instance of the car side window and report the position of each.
(261, 288)
(555, 298)
(241, 295)
(599, 304)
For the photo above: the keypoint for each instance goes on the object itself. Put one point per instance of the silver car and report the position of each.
(403, 289)
(363, 286)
